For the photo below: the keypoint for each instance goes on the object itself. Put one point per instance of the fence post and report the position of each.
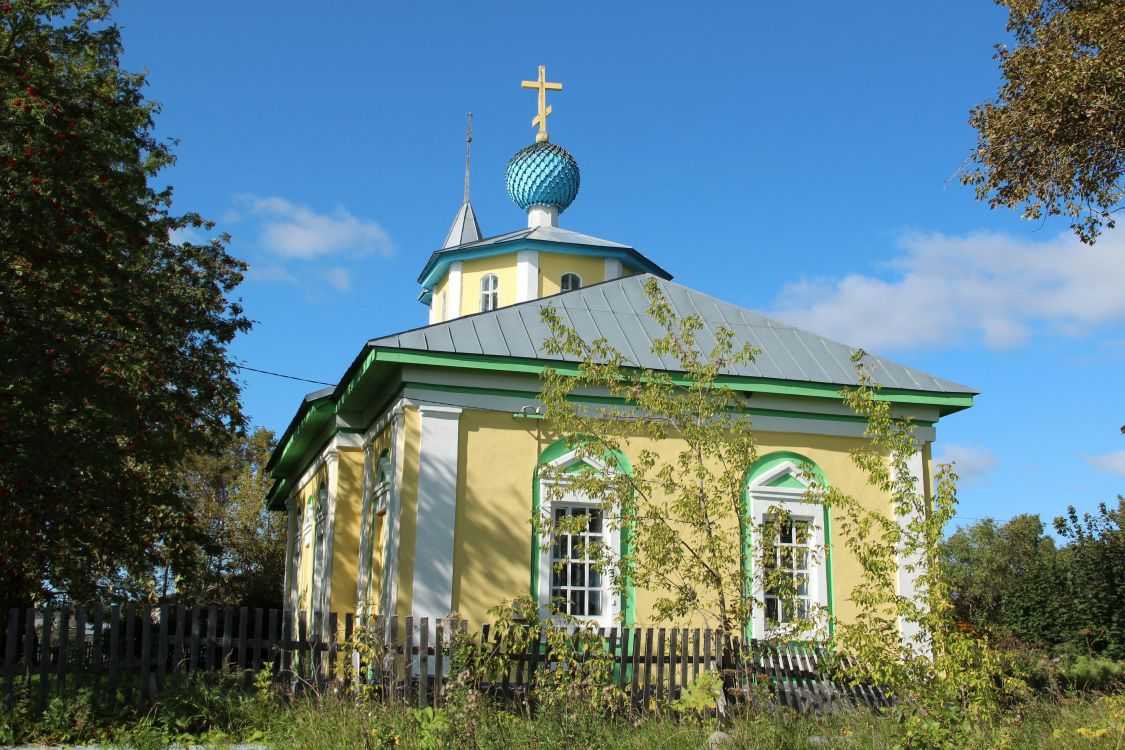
(61, 651)
(423, 662)
(211, 644)
(146, 652)
(79, 648)
(162, 649)
(10, 646)
(45, 657)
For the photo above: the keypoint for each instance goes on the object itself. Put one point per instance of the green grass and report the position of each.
(218, 714)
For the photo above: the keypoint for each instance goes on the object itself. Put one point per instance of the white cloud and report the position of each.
(267, 272)
(971, 462)
(1108, 463)
(985, 286)
(341, 278)
(296, 232)
(186, 234)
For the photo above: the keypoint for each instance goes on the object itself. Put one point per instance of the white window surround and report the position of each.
(489, 292)
(570, 281)
(380, 498)
(612, 535)
(320, 548)
(792, 500)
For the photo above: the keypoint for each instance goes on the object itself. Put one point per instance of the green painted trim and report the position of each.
(953, 401)
(615, 401)
(556, 449)
(275, 494)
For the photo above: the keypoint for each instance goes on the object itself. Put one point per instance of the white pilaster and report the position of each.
(542, 216)
(907, 579)
(527, 275)
(365, 531)
(389, 594)
(437, 511)
(292, 546)
(612, 269)
(453, 286)
(433, 309)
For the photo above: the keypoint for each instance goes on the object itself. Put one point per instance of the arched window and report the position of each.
(570, 282)
(790, 575)
(489, 292)
(320, 550)
(564, 572)
(379, 529)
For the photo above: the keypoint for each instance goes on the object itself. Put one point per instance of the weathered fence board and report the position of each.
(119, 652)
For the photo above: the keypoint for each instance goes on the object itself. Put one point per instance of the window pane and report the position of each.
(786, 533)
(801, 585)
(595, 579)
(595, 522)
(595, 609)
(577, 574)
(771, 609)
(577, 603)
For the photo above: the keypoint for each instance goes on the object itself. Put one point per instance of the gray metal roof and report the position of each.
(617, 309)
(465, 227)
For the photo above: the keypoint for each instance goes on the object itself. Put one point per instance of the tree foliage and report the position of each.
(1010, 580)
(683, 510)
(239, 553)
(906, 640)
(1053, 140)
(114, 323)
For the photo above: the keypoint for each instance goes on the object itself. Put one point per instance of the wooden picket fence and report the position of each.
(131, 653)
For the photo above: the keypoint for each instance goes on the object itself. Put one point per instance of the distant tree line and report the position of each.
(1011, 580)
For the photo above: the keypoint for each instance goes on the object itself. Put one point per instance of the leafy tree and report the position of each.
(239, 557)
(946, 680)
(1096, 588)
(1053, 140)
(114, 321)
(683, 513)
(1009, 580)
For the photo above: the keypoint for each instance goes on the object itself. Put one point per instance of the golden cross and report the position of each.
(544, 109)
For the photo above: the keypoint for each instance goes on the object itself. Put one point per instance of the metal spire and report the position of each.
(468, 151)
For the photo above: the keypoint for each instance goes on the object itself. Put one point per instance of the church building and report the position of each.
(409, 486)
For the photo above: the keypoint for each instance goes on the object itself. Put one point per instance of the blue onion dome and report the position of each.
(542, 174)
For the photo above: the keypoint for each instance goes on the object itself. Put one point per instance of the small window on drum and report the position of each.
(570, 282)
(489, 292)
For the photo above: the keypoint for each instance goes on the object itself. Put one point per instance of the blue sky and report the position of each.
(799, 159)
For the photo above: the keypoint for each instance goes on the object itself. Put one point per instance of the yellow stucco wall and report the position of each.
(553, 265)
(412, 428)
(439, 290)
(492, 553)
(472, 271)
(348, 493)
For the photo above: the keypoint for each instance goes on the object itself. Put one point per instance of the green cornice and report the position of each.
(370, 370)
(947, 402)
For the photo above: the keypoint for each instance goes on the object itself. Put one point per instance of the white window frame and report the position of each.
(762, 498)
(562, 282)
(611, 532)
(490, 292)
(379, 501)
(320, 550)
